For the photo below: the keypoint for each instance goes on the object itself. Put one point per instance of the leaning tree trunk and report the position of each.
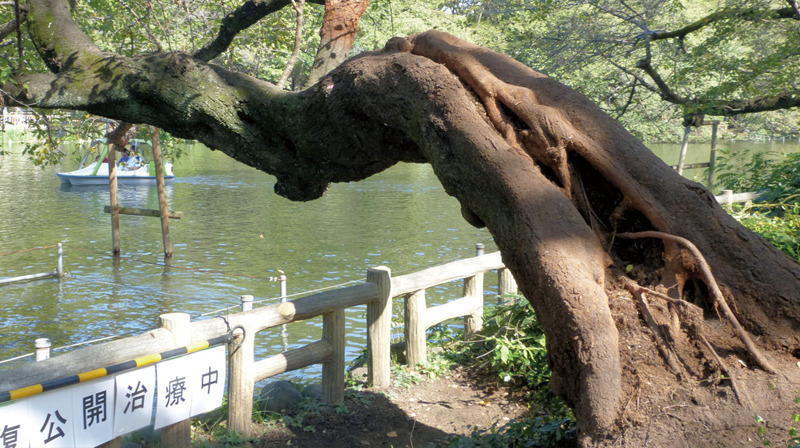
(573, 201)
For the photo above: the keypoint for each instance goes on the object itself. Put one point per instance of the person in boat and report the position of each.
(126, 155)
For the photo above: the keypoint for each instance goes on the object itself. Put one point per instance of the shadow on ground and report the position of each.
(367, 419)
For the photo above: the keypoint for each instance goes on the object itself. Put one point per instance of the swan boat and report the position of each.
(131, 174)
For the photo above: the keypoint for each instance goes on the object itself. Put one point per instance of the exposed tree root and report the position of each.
(714, 291)
(663, 344)
(731, 375)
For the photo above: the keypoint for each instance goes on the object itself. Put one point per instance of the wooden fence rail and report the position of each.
(244, 370)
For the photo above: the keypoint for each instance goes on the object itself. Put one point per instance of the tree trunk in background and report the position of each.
(339, 27)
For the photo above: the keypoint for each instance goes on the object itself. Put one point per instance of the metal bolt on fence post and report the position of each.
(247, 302)
(42, 349)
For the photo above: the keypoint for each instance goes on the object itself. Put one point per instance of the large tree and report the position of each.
(651, 296)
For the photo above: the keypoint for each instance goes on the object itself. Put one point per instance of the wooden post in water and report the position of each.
(333, 331)
(162, 195)
(179, 434)
(415, 329)
(241, 382)
(684, 148)
(112, 188)
(60, 265)
(713, 155)
(379, 328)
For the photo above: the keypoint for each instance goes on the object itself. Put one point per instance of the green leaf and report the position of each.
(504, 353)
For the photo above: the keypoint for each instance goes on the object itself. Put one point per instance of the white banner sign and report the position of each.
(198, 378)
(51, 419)
(15, 426)
(209, 381)
(92, 413)
(135, 393)
(93, 408)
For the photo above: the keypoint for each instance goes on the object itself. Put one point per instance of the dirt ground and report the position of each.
(424, 415)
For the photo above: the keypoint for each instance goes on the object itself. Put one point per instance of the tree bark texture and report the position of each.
(551, 176)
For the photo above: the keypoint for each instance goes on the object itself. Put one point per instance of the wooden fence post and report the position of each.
(247, 302)
(684, 148)
(179, 434)
(415, 328)
(712, 160)
(60, 265)
(379, 328)
(473, 287)
(241, 381)
(42, 349)
(333, 331)
(505, 284)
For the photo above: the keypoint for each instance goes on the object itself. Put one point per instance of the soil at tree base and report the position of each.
(422, 415)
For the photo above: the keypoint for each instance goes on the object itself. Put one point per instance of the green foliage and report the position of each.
(776, 176)
(776, 216)
(543, 431)
(793, 440)
(782, 231)
(512, 345)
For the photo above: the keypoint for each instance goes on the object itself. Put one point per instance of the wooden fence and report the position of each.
(244, 370)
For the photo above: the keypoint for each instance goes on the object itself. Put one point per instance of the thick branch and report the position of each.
(242, 18)
(57, 38)
(785, 100)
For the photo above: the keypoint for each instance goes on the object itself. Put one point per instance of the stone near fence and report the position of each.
(313, 391)
(279, 396)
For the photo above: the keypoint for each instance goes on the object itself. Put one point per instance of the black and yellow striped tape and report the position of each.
(142, 361)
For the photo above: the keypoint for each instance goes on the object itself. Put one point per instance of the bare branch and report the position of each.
(239, 20)
(299, 6)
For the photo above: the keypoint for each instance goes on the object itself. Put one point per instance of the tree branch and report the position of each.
(663, 89)
(747, 14)
(785, 100)
(242, 18)
(299, 7)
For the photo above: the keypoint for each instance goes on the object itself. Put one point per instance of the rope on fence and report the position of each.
(29, 250)
(185, 268)
(141, 361)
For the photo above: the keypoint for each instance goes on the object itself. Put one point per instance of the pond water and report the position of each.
(234, 236)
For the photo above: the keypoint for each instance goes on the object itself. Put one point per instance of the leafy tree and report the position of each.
(716, 58)
(583, 213)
